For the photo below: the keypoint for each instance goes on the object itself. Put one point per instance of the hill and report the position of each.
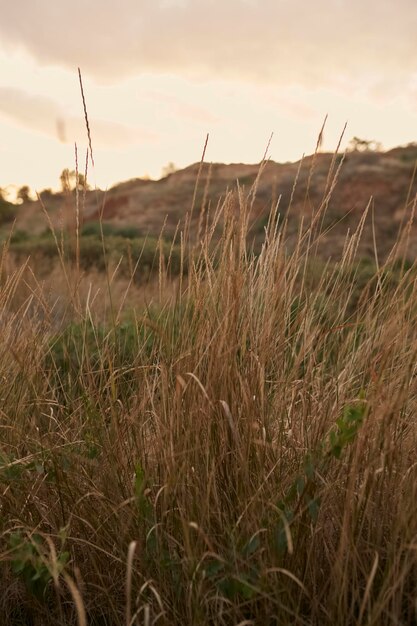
(383, 180)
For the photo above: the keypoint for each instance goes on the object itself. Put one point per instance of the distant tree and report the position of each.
(69, 181)
(364, 145)
(46, 193)
(23, 194)
(82, 182)
(168, 169)
(65, 181)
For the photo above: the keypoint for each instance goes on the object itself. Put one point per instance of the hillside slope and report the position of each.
(384, 180)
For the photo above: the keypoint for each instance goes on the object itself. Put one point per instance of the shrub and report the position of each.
(7, 211)
(128, 232)
(145, 253)
(19, 236)
(93, 229)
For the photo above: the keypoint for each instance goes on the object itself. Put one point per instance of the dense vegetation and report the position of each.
(99, 246)
(7, 210)
(241, 450)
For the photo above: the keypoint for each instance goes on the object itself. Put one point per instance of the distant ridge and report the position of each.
(387, 177)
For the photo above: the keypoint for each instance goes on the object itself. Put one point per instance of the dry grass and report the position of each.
(252, 430)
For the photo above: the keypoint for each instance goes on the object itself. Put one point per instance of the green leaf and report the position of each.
(232, 588)
(213, 568)
(139, 480)
(300, 485)
(314, 508)
(251, 546)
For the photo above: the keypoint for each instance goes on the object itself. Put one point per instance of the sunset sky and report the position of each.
(161, 74)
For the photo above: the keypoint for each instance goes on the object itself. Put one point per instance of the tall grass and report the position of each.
(239, 451)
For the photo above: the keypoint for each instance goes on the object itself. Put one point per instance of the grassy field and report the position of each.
(235, 446)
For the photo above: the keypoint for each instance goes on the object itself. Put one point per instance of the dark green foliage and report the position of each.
(19, 236)
(82, 346)
(409, 154)
(83, 357)
(94, 229)
(347, 428)
(302, 500)
(128, 232)
(142, 255)
(7, 211)
(29, 561)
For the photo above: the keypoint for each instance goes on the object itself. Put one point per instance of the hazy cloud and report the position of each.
(180, 107)
(47, 116)
(325, 42)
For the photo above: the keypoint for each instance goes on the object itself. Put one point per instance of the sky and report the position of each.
(158, 75)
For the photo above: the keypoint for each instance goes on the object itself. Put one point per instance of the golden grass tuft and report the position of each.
(238, 450)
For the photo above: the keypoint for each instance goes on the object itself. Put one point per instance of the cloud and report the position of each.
(180, 107)
(346, 43)
(46, 116)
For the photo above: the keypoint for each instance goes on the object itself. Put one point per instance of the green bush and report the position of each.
(7, 211)
(19, 236)
(35, 247)
(128, 232)
(93, 229)
(140, 252)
